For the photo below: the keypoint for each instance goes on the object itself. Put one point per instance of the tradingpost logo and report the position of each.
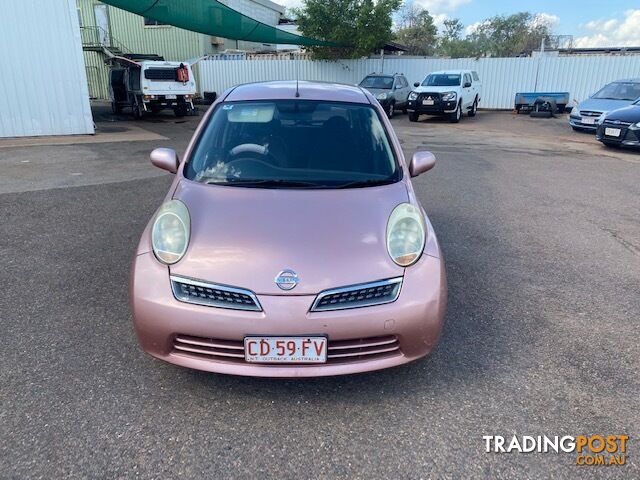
(590, 450)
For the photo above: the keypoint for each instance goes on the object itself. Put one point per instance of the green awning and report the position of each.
(213, 18)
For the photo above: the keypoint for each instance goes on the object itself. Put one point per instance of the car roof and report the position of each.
(450, 72)
(284, 90)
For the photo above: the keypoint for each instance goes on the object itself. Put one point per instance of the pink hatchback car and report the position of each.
(291, 243)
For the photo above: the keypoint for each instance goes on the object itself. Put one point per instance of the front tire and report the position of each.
(413, 116)
(457, 115)
(137, 111)
(390, 109)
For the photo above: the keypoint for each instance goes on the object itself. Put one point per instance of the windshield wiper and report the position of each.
(266, 183)
(366, 183)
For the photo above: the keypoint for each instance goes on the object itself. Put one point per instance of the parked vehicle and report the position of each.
(621, 128)
(450, 93)
(531, 101)
(618, 94)
(390, 90)
(148, 83)
(291, 243)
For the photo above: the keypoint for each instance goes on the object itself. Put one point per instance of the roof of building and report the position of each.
(281, 90)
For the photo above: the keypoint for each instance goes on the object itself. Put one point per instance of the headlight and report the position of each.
(635, 126)
(413, 96)
(449, 96)
(601, 119)
(170, 232)
(381, 96)
(405, 234)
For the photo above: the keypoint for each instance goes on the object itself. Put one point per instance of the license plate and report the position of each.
(612, 132)
(589, 121)
(285, 349)
(170, 97)
(428, 102)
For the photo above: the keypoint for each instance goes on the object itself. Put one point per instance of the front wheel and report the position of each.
(474, 109)
(137, 111)
(413, 116)
(457, 115)
(390, 109)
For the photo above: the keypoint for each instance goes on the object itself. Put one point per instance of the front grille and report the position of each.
(355, 296)
(435, 96)
(590, 113)
(212, 295)
(339, 351)
(160, 74)
(617, 123)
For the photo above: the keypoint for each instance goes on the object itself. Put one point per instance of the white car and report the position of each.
(449, 92)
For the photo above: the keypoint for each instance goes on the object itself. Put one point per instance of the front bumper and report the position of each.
(439, 107)
(576, 122)
(628, 137)
(415, 320)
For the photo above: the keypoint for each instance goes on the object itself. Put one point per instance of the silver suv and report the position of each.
(390, 90)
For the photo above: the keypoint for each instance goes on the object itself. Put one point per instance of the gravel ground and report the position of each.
(542, 241)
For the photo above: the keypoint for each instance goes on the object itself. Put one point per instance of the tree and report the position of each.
(507, 36)
(451, 43)
(417, 31)
(362, 26)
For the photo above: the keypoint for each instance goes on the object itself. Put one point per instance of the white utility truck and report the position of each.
(148, 84)
(449, 93)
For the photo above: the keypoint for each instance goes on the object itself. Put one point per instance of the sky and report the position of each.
(603, 23)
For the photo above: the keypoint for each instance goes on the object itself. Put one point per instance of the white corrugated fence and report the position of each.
(501, 77)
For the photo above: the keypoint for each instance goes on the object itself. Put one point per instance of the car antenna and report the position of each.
(297, 78)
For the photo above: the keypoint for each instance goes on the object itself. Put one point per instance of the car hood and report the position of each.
(376, 91)
(243, 237)
(602, 105)
(626, 114)
(422, 89)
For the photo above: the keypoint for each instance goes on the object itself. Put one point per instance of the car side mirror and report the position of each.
(166, 159)
(467, 84)
(421, 162)
(416, 84)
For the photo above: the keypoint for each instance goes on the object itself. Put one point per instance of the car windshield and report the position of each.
(441, 80)
(294, 144)
(619, 91)
(383, 83)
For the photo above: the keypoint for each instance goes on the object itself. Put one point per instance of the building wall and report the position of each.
(43, 87)
(171, 42)
(263, 11)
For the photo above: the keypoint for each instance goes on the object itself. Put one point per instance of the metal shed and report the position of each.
(43, 86)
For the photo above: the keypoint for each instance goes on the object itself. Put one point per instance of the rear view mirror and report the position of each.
(166, 159)
(421, 162)
(417, 84)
